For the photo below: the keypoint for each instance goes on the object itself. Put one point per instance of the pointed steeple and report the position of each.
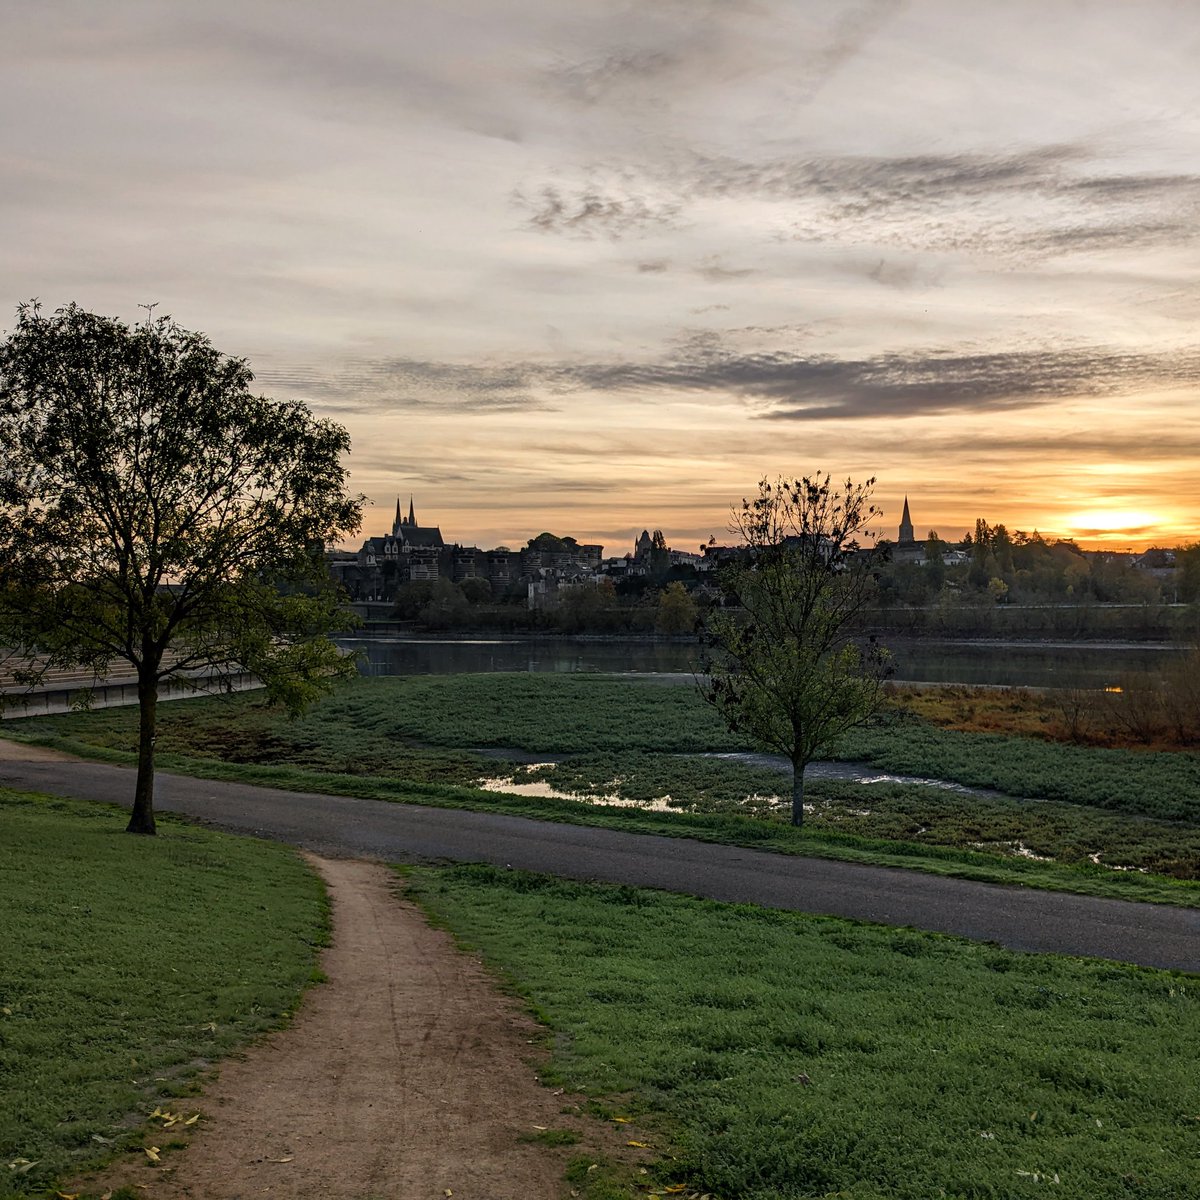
(906, 527)
(412, 520)
(399, 519)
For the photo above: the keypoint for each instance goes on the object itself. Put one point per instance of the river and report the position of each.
(1012, 664)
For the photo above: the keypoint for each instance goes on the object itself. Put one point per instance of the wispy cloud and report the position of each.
(786, 386)
(781, 385)
(595, 210)
(392, 384)
(1044, 200)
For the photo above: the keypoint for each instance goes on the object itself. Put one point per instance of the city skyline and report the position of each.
(622, 541)
(593, 267)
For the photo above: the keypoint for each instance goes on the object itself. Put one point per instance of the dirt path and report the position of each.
(406, 1077)
(19, 752)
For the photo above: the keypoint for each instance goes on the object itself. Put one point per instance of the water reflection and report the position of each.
(1011, 664)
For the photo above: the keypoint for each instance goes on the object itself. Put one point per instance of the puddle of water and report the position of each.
(547, 791)
(1019, 849)
(1095, 858)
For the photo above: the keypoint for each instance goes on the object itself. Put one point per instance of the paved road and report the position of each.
(1021, 918)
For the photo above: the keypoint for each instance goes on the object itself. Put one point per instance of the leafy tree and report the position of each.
(446, 606)
(549, 543)
(154, 511)
(677, 612)
(783, 665)
(411, 598)
(585, 606)
(476, 590)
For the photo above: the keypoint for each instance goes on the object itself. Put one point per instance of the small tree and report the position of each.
(153, 510)
(783, 665)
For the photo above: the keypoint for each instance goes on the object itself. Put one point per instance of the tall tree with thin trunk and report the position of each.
(153, 510)
(783, 661)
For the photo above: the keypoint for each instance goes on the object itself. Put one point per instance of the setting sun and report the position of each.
(1112, 522)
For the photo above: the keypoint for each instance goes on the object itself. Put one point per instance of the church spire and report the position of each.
(906, 527)
(412, 520)
(399, 519)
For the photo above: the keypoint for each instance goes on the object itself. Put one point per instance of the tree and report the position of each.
(784, 665)
(153, 510)
(677, 612)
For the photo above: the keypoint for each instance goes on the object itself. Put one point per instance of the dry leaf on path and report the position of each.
(152, 1153)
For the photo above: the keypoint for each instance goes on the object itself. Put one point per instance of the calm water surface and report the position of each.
(1013, 664)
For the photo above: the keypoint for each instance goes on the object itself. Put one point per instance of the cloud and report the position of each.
(595, 211)
(597, 80)
(785, 386)
(713, 271)
(1129, 531)
(1040, 201)
(404, 383)
(776, 385)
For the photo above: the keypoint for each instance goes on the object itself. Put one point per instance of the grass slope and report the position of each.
(776, 1056)
(127, 965)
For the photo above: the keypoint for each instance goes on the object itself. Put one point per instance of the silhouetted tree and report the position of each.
(154, 510)
(784, 666)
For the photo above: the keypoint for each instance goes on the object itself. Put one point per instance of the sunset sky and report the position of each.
(592, 266)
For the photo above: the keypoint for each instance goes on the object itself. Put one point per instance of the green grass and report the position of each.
(774, 1056)
(1160, 784)
(127, 966)
(422, 740)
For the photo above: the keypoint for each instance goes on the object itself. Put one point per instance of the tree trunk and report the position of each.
(798, 793)
(142, 819)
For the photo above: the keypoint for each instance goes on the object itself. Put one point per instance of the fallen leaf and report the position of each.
(282, 1160)
(675, 1187)
(22, 1165)
(639, 1145)
(623, 1120)
(192, 1119)
(541, 1127)
(102, 1140)
(152, 1153)
(67, 1195)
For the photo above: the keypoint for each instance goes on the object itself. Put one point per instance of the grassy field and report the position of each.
(1103, 816)
(127, 966)
(774, 1056)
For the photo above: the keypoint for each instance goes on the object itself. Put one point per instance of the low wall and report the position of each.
(111, 694)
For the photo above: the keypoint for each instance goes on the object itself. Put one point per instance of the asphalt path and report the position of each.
(1019, 918)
